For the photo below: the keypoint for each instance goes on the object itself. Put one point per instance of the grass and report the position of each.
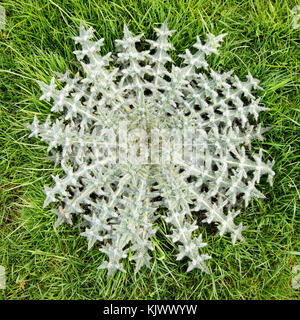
(42, 263)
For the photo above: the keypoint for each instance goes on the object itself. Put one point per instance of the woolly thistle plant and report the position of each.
(137, 133)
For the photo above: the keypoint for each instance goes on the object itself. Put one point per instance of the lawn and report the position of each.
(44, 263)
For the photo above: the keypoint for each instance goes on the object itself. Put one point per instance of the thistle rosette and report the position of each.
(111, 177)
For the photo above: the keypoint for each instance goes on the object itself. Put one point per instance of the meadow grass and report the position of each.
(44, 263)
